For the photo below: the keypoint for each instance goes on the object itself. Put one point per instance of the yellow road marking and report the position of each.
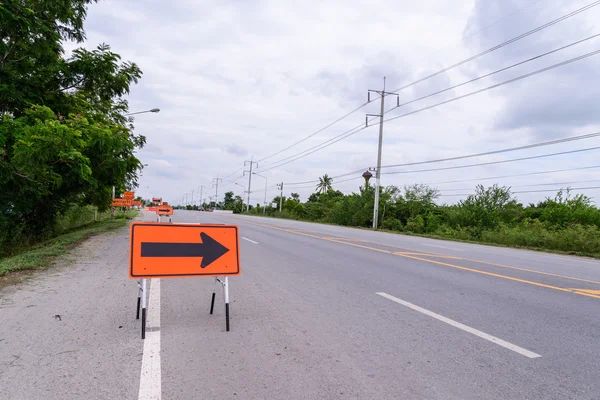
(400, 254)
(588, 291)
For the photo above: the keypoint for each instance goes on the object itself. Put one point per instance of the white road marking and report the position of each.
(440, 247)
(150, 379)
(483, 335)
(251, 241)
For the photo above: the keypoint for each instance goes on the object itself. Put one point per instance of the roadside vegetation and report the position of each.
(74, 229)
(65, 139)
(566, 222)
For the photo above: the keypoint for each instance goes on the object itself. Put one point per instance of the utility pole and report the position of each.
(280, 187)
(381, 93)
(192, 198)
(201, 202)
(251, 162)
(216, 185)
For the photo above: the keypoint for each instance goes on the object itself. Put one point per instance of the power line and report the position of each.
(332, 177)
(502, 19)
(239, 169)
(487, 153)
(515, 175)
(313, 186)
(529, 146)
(527, 186)
(493, 162)
(361, 127)
(496, 72)
(539, 71)
(316, 148)
(531, 32)
(530, 191)
(317, 132)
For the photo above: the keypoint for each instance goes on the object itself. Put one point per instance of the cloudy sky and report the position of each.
(245, 79)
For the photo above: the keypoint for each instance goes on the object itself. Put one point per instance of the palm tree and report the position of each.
(324, 184)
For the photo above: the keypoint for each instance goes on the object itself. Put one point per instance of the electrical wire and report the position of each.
(506, 43)
(515, 175)
(539, 71)
(316, 148)
(495, 72)
(361, 127)
(487, 153)
(501, 19)
(530, 191)
(492, 162)
(318, 131)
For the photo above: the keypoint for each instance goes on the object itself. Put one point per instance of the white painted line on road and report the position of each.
(251, 241)
(150, 380)
(483, 335)
(440, 247)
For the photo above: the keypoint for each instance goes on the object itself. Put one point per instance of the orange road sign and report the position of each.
(129, 195)
(119, 202)
(157, 200)
(180, 250)
(164, 210)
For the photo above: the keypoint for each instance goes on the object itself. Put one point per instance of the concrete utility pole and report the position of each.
(192, 197)
(381, 93)
(201, 202)
(280, 187)
(216, 185)
(251, 162)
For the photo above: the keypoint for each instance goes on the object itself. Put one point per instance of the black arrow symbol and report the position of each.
(209, 249)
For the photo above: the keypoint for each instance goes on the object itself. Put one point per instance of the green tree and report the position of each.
(63, 137)
(324, 185)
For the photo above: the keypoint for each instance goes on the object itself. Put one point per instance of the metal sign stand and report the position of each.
(142, 298)
(158, 218)
(225, 284)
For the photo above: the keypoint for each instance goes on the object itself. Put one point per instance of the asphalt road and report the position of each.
(319, 312)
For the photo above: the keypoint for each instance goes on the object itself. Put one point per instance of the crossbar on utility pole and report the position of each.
(251, 162)
(382, 93)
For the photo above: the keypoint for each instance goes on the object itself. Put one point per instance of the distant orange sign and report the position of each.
(164, 210)
(151, 208)
(129, 195)
(118, 202)
(136, 203)
(157, 200)
(179, 250)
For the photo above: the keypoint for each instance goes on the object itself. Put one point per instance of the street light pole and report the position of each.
(265, 202)
(154, 110)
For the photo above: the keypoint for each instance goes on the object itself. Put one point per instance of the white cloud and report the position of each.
(236, 79)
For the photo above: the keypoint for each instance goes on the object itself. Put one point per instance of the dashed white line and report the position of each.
(473, 331)
(150, 378)
(251, 241)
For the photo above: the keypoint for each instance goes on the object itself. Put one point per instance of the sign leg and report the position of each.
(137, 315)
(226, 289)
(144, 300)
(212, 302)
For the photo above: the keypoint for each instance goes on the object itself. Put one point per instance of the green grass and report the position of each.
(42, 255)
